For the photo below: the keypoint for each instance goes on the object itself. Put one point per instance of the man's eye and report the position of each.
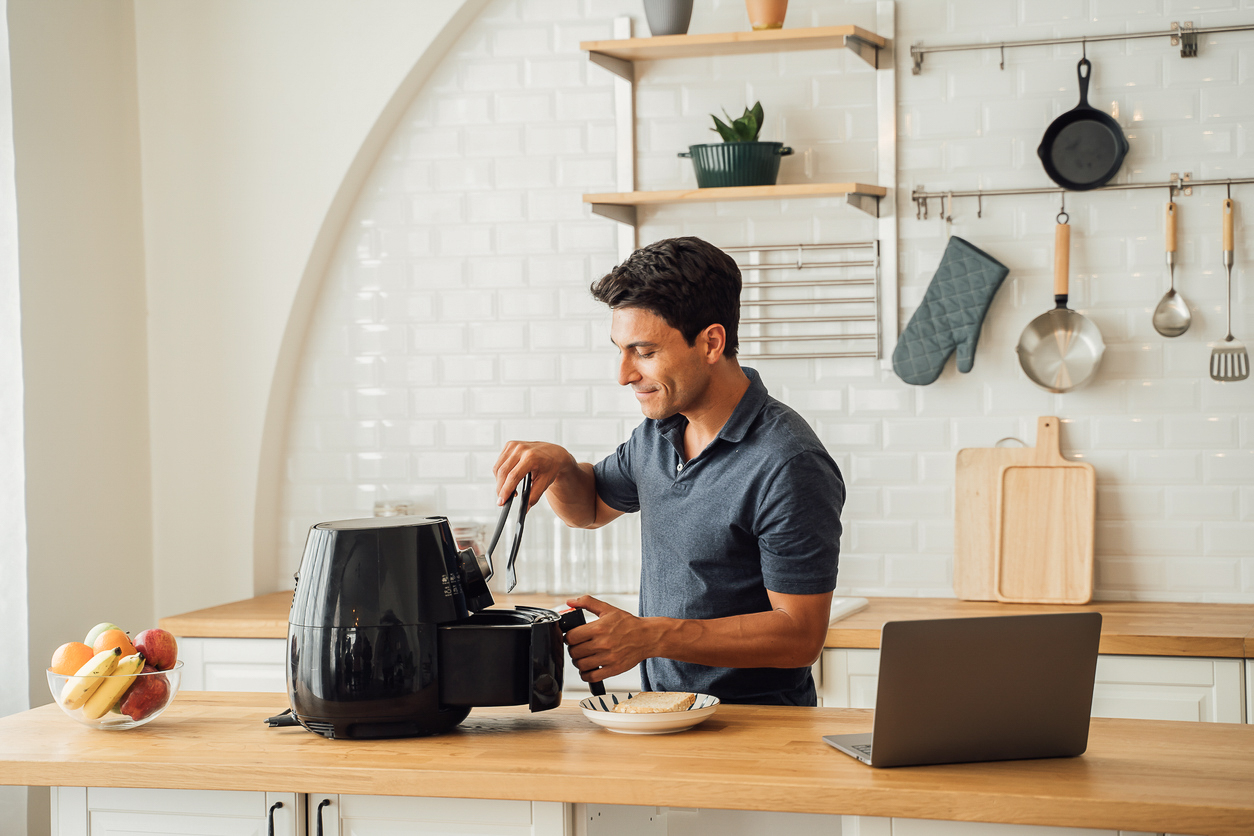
(645, 355)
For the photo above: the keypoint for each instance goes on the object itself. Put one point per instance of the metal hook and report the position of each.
(1084, 48)
(1230, 188)
(949, 216)
(979, 205)
(1003, 56)
(1062, 217)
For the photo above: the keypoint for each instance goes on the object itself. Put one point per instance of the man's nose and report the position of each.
(627, 370)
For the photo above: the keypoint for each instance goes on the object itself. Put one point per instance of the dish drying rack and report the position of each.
(840, 298)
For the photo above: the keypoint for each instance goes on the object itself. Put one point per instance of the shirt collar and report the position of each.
(742, 417)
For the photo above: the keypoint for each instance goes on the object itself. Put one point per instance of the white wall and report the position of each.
(257, 121)
(77, 150)
(456, 315)
(15, 654)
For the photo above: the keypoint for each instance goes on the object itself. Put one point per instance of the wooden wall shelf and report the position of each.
(621, 206)
(864, 43)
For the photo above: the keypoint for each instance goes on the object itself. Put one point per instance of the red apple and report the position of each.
(159, 648)
(146, 695)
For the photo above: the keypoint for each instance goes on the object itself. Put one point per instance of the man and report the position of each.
(739, 502)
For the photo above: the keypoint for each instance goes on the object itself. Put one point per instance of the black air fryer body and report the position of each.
(388, 636)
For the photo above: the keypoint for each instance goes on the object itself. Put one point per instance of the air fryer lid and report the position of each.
(379, 572)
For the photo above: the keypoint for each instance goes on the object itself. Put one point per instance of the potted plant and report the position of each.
(739, 160)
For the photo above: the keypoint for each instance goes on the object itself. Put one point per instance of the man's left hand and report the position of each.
(615, 643)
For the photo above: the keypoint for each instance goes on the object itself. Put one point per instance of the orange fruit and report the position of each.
(113, 638)
(70, 657)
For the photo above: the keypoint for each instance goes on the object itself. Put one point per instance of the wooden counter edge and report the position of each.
(265, 617)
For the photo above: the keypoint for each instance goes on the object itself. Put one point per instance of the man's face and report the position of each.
(666, 374)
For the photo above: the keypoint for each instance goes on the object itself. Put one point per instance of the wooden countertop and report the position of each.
(1137, 775)
(1140, 628)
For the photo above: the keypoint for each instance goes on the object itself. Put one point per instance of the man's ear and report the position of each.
(713, 340)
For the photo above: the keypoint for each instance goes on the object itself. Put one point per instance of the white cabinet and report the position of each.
(872, 826)
(234, 664)
(623, 820)
(105, 811)
(1134, 687)
(1170, 688)
(383, 815)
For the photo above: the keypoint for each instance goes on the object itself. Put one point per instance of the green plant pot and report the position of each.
(720, 164)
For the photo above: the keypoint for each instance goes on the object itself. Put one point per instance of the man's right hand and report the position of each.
(571, 486)
(545, 462)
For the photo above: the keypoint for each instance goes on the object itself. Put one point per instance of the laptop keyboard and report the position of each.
(862, 748)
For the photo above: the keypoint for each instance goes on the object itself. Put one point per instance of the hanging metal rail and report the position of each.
(1177, 184)
(1183, 35)
(767, 335)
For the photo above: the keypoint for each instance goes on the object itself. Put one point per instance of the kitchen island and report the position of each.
(1137, 775)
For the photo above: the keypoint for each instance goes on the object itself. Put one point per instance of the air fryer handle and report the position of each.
(575, 618)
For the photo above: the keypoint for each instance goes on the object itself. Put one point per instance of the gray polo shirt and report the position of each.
(757, 509)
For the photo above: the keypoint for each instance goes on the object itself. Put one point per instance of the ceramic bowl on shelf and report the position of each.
(600, 710)
(144, 699)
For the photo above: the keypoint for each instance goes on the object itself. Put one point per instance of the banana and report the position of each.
(107, 694)
(79, 686)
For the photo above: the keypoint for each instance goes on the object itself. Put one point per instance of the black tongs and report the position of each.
(525, 490)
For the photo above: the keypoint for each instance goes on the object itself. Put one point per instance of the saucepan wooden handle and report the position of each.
(1228, 225)
(1062, 258)
(1171, 227)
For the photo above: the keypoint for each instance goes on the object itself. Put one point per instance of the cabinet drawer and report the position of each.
(1131, 687)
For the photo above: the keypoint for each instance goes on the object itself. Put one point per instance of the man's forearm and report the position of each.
(771, 639)
(573, 495)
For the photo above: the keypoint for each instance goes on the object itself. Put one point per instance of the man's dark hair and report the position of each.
(689, 283)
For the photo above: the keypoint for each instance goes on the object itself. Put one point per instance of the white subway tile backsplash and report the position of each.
(456, 313)
(887, 469)
(1217, 503)
(1130, 502)
(849, 435)
(914, 503)
(1233, 467)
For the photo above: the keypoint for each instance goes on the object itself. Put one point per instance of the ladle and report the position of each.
(1172, 317)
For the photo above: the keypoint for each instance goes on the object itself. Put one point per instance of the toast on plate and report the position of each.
(656, 702)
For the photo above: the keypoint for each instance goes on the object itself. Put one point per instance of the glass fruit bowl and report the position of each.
(120, 705)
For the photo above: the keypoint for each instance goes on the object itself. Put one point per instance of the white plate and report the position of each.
(599, 710)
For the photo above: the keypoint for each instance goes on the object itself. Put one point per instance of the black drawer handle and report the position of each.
(270, 816)
(323, 803)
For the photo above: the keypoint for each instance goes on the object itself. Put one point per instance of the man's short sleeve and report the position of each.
(615, 480)
(799, 526)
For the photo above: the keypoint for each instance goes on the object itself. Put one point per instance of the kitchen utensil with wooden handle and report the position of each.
(1060, 349)
(1172, 316)
(1229, 361)
(1046, 511)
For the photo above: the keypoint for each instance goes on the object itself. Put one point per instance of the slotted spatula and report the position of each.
(1229, 361)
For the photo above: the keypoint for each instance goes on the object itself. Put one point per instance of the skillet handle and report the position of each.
(1085, 71)
(1062, 263)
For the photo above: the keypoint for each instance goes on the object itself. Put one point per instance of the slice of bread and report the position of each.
(656, 702)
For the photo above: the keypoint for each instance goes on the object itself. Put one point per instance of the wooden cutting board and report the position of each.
(1046, 509)
(976, 485)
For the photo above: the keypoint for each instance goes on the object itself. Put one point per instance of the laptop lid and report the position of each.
(984, 689)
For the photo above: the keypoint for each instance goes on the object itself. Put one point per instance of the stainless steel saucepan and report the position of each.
(1061, 349)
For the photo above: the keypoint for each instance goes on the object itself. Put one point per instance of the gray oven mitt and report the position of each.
(951, 313)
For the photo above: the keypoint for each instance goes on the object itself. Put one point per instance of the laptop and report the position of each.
(959, 690)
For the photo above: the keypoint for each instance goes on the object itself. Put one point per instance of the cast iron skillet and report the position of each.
(1084, 147)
